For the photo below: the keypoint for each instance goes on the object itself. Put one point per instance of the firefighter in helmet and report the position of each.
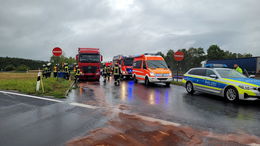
(77, 73)
(55, 70)
(108, 72)
(104, 72)
(75, 67)
(66, 71)
(117, 73)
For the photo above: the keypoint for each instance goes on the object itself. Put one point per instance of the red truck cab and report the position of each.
(89, 62)
(126, 65)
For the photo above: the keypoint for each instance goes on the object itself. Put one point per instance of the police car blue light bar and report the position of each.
(216, 65)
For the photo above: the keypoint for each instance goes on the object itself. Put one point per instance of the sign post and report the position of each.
(178, 56)
(57, 52)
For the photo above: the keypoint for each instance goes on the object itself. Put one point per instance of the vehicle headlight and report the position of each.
(247, 87)
(152, 74)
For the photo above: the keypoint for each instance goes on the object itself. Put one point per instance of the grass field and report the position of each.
(179, 83)
(26, 83)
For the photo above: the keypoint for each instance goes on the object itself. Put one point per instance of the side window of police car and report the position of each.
(210, 72)
(199, 72)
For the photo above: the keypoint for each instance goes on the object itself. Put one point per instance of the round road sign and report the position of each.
(178, 56)
(57, 51)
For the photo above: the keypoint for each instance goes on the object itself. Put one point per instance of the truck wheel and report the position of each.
(189, 88)
(146, 82)
(231, 94)
(135, 80)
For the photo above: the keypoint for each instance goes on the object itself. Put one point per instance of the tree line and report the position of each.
(19, 64)
(194, 56)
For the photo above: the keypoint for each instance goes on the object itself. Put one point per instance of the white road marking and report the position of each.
(83, 105)
(163, 122)
(36, 97)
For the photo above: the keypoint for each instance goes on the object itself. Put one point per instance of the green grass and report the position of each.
(26, 83)
(179, 83)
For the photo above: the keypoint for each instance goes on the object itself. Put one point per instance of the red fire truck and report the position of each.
(89, 62)
(108, 64)
(125, 63)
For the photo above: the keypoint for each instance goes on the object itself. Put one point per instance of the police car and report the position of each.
(218, 80)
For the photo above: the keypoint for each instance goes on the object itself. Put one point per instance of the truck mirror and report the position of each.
(77, 57)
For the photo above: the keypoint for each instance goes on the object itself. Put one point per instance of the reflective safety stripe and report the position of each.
(66, 68)
(78, 72)
(137, 71)
(215, 88)
(241, 82)
(206, 79)
(140, 78)
(116, 70)
(55, 69)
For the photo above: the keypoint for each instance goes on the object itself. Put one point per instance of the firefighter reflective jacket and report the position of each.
(55, 69)
(66, 69)
(78, 72)
(105, 70)
(108, 69)
(116, 70)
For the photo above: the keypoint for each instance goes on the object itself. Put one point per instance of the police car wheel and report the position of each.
(231, 94)
(189, 88)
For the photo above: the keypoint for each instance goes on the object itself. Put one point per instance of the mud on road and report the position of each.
(134, 130)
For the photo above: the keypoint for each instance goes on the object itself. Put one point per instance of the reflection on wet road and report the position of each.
(202, 111)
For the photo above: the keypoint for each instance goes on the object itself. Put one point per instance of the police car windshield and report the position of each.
(229, 73)
(128, 61)
(156, 64)
(89, 58)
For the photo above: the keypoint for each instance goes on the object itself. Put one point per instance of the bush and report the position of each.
(9, 68)
(22, 68)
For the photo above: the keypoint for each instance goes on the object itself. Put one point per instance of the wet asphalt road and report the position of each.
(29, 121)
(25, 121)
(201, 111)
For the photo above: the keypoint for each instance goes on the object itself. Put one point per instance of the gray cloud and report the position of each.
(31, 28)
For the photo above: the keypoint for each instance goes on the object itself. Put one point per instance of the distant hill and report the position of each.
(6, 62)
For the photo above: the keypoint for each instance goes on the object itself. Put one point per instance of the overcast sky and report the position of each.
(32, 28)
